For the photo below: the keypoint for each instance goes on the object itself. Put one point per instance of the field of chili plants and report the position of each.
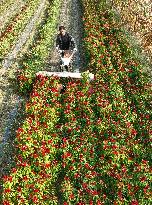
(91, 144)
(15, 26)
(36, 141)
(5, 5)
(8, 11)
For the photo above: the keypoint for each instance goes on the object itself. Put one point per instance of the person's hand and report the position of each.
(58, 50)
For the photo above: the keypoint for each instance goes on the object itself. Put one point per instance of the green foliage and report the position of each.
(96, 134)
(35, 59)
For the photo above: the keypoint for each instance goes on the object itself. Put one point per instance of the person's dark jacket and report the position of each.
(65, 42)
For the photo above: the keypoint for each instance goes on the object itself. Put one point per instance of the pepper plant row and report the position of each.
(10, 14)
(4, 5)
(36, 168)
(15, 28)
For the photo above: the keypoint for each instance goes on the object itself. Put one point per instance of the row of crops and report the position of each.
(15, 24)
(35, 58)
(5, 5)
(9, 12)
(9, 9)
(89, 145)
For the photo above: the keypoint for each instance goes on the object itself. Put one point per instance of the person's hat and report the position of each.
(61, 27)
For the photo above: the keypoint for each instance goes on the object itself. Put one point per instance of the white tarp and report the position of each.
(64, 74)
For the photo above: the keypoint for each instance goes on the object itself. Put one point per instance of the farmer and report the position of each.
(64, 41)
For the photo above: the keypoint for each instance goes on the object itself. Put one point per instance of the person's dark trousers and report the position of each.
(63, 89)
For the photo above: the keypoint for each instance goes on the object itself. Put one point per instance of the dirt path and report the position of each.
(70, 18)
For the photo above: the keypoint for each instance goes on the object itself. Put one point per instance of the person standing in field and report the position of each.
(64, 41)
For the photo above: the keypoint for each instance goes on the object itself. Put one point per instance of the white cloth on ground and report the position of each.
(65, 61)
